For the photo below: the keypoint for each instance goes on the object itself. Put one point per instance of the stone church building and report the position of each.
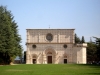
(55, 46)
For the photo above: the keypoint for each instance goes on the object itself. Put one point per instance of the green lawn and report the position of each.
(50, 69)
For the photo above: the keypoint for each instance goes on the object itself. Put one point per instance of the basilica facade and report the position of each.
(53, 46)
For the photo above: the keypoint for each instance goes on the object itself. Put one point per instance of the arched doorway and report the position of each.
(34, 59)
(65, 59)
(49, 57)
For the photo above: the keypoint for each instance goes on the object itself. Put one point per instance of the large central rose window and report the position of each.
(49, 37)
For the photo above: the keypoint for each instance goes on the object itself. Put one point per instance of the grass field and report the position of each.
(50, 69)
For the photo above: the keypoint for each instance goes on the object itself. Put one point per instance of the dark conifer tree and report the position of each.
(77, 39)
(9, 38)
(82, 40)
(97, 41)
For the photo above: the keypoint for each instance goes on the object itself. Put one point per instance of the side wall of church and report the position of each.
(79, 53)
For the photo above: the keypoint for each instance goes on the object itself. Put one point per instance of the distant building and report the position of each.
(18, 60)
(54, 46)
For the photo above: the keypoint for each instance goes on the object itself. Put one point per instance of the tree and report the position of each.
(82, 40)
(9, 38)
(24, 56)
(97, 41)
(91, 52)
(77, 39)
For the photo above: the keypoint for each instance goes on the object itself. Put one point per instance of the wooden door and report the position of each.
(34, 61)
(65, 61)
(49, 59)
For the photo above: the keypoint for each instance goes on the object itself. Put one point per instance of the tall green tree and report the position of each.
(9, 38)
(97, 41)
(25, 56)
(91, 52)
(77, 39)
(82, 40)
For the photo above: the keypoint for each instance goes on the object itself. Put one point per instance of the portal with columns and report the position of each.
(53, 46)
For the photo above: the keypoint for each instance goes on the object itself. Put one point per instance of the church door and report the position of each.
(65, 61)
(34, 61)
(49, 59)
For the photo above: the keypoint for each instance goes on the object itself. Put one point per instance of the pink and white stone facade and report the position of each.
(54, 46)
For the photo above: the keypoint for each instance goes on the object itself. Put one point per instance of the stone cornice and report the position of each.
(50, 43)
(50, 29)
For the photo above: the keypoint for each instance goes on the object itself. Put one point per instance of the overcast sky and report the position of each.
(82, 15)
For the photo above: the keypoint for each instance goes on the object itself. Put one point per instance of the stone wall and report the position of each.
(55, 48)
(59, 35)
(79, 53)
(60, 51)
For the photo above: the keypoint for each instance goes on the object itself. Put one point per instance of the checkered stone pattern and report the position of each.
(55, 46)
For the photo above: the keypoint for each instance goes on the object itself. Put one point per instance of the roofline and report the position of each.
(50, 29)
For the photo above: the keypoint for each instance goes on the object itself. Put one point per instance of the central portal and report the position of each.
(49, 59)
(50, 55)
(34, 61)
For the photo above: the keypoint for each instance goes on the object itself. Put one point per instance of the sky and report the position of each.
(81, 15)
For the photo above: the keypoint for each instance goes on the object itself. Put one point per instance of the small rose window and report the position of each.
(49, 37)
(34, 46)
(65, 46)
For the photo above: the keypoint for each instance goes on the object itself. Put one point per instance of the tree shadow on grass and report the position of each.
(93, 73)
(91, 65)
